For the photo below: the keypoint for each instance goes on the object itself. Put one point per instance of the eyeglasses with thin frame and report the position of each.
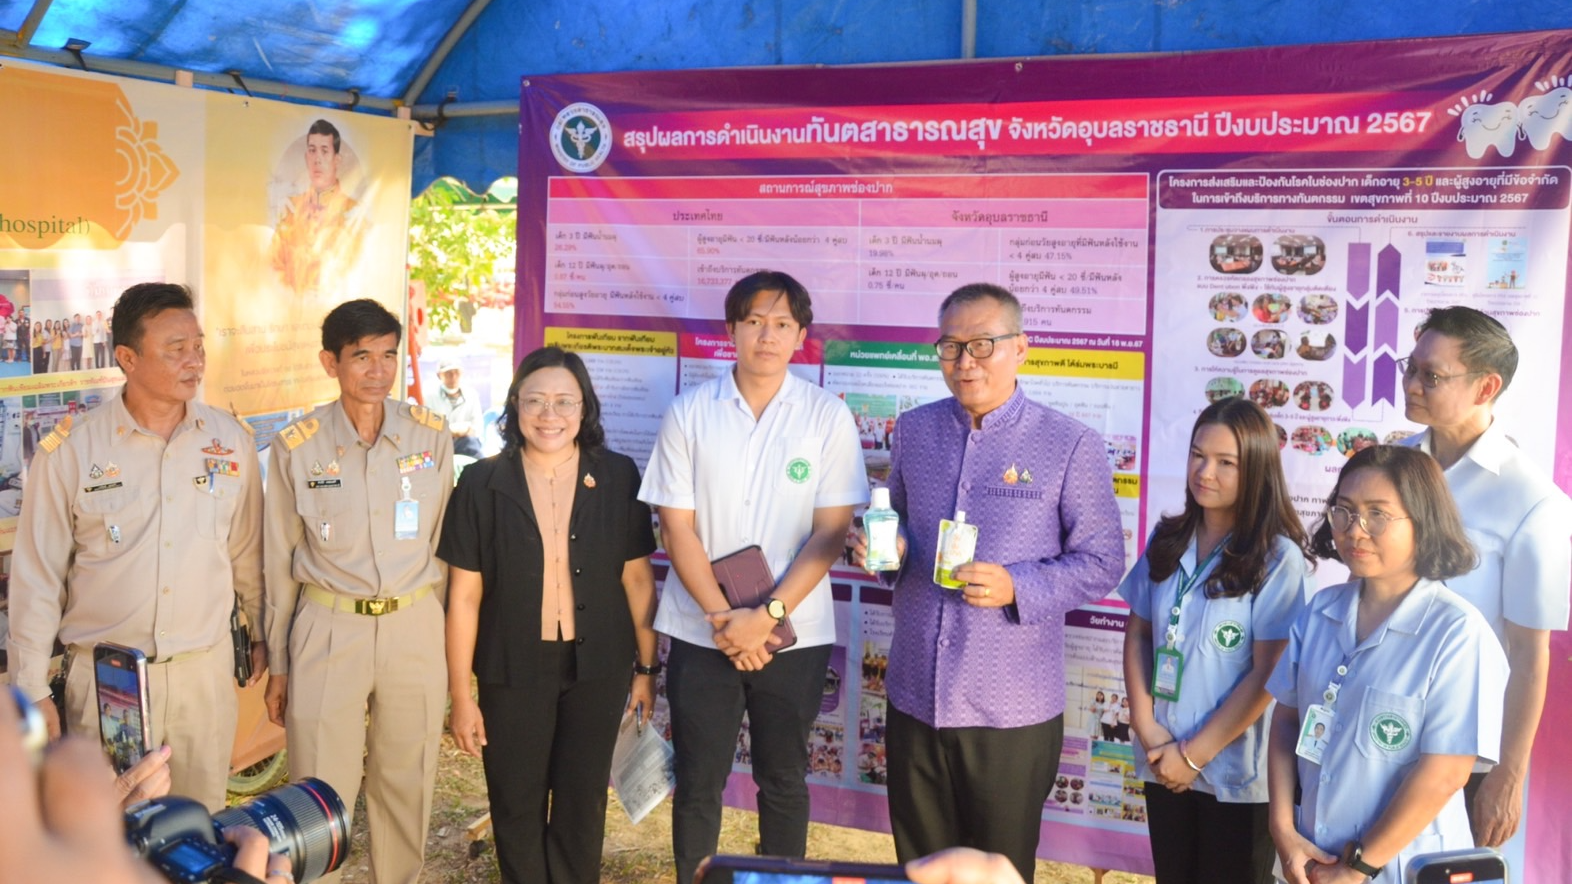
(1429, 379)
(564, 407)
(977, 348)
(1372, 523)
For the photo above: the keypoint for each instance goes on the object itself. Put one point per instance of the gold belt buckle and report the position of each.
(376, 607)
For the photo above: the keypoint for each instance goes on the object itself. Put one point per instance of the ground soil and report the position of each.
(634, 854)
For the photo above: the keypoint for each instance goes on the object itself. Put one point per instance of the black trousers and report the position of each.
(1197, 839)
(708, 696)
(981, 787)
(548, 760)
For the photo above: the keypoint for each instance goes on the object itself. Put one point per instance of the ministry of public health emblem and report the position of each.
(1391, 731)
(1228, 636)
(581, 137)
(798, 470)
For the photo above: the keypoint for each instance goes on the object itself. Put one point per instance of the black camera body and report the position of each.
(305, 821)
(178, 836)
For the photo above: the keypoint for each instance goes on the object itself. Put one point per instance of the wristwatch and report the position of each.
(1353, 857)
(776, 608)
(652, 669)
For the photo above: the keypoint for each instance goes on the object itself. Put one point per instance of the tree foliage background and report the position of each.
(460, 246)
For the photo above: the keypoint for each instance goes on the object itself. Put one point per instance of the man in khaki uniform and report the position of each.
(141, 523)
(354, 589)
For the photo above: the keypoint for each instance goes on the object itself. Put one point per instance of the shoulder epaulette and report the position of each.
(57, 435)
(296, 434)
(244, 424)
(426, 417)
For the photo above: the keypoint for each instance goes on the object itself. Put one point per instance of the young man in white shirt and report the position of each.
(754, 457)
(1518, 520)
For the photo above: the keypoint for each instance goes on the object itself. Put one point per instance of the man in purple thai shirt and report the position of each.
(976, 676)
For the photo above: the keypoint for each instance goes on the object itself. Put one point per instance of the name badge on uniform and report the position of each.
(1167, 674)
(406, 515)
(1314, 731)
(318, 484)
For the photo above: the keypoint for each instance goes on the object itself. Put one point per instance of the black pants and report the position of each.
(548, 760)
(708, 696)
(1197, 839)
(981, 787)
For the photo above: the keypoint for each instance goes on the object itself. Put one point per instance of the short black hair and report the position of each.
(977, 291)
(1486, 344)
(1441, 548)
(740, 299)
(591, 434)
(323, 127)
(353, 320)
(142, 302)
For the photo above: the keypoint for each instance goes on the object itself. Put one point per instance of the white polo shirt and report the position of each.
(1521, 524)
(754, 482)
(1428, 681)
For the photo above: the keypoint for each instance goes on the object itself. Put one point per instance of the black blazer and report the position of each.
(490, 528)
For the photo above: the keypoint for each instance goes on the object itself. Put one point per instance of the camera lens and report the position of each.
(305, 821)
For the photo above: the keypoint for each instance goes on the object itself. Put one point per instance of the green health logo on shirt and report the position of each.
(1228, 635)
(1391, 732)
(798, 470)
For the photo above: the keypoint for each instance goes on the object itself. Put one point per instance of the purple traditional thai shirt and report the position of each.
(1038, 486)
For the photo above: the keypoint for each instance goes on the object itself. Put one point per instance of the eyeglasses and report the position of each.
(1373, 523)
(535, 407)
(977, 348)
(1429, 379)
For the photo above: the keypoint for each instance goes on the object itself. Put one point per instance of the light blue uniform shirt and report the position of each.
(1430, 680)
(1217, 636)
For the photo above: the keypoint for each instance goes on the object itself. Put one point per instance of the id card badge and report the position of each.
(1167, 674)
(406, 516)
(1314, 731)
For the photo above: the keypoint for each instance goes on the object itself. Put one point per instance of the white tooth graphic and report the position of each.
(1484, 125)
(1546, 114)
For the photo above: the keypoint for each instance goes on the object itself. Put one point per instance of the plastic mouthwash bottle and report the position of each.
(882, 526)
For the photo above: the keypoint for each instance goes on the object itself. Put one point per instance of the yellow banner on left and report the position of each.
(94, 169)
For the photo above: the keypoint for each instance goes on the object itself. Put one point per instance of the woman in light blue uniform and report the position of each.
(1211, 603)
(1405, 675)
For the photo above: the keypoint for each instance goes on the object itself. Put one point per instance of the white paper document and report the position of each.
(641, 770)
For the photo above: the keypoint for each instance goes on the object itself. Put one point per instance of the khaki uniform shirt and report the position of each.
(331, 507)
(126, 538)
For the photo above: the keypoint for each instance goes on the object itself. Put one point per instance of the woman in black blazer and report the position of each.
(550, 604)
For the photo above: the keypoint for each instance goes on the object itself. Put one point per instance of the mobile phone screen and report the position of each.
(780, 870)
(799, 878)
(120, 711)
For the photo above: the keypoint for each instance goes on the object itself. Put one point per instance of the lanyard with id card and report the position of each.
(406, 514)
(1316, 728)
(1168, 668)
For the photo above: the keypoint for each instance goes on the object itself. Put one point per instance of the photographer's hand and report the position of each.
(251, 856)
(62, 822)
(148, 778)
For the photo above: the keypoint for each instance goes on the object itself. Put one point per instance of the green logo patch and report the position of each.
(1229, 635)
(798, 470)
(1391, 732)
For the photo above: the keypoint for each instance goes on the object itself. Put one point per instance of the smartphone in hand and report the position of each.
(781, 870)
(1474, 866)
(123, 710)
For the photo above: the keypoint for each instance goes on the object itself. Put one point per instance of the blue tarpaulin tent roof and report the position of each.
(467, 56)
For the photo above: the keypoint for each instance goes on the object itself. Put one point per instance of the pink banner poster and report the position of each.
(1179, 228)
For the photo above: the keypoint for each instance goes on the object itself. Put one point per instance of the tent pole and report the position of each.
(968, 28)
(147, 71)
(418, 85)
(35, 17)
